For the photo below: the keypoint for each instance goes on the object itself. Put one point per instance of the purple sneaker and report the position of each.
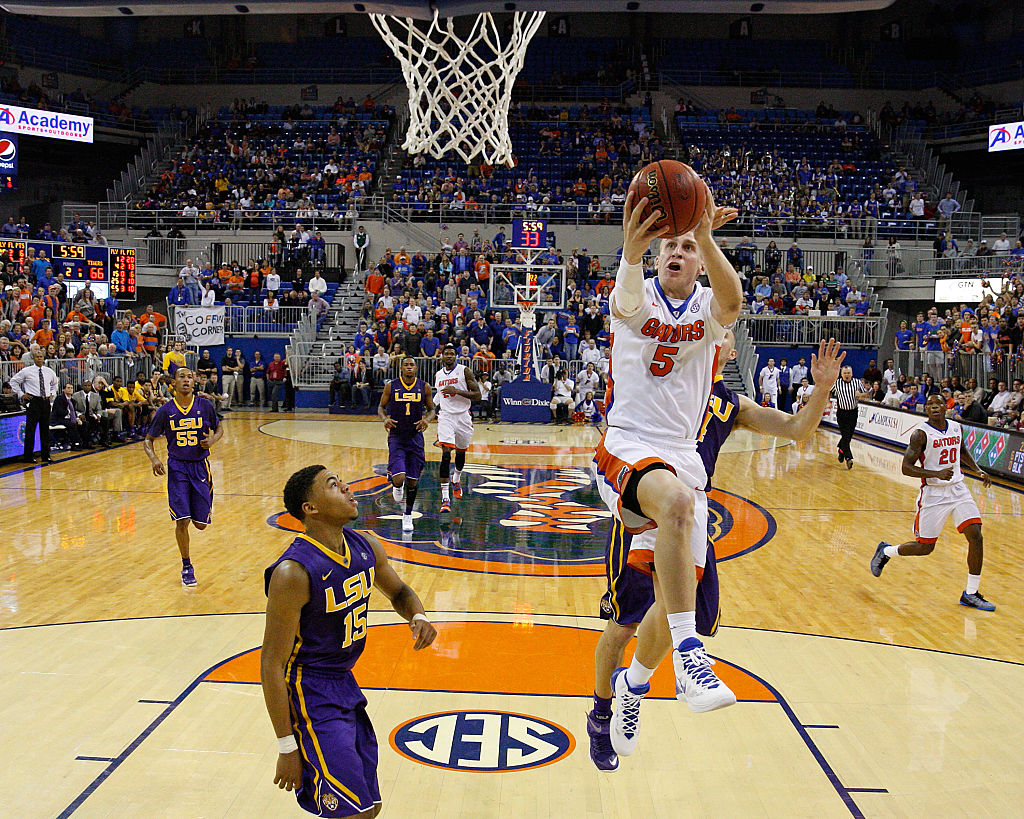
(188, 576)
(601, 751)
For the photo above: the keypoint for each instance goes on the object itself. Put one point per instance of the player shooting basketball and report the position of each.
(668, 332)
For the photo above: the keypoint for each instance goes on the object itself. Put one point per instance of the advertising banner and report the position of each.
(53, 124)
(526, 402)
(9, 155)
(1006, 137)
(203, 326)
(12, 436)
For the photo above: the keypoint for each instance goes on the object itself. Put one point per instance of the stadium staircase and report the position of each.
(334, 336)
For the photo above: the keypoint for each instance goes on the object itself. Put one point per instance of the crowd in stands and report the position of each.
(568, 157)
(946, 347)
(977, 107)
(78, 231)
(255, 162)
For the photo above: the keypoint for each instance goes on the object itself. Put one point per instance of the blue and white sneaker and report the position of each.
(625, 723)
(695, 681)
(879, 559)
(976, 601)
(601, 751)
(188, 576)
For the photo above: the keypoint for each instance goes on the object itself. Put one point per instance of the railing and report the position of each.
(124, 216)
(807, 331)
(969, 266)
(173, 253)
(77, 370)
(939, 365)
(870, 78)
(255, 321)
(312, 369)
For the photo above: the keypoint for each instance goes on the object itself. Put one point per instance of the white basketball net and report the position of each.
(460, 88)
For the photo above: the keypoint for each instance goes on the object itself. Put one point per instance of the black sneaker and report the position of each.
(879, 559)
(976, 601)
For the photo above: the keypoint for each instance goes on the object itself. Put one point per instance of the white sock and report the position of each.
(456, 475)
(444, 491)
(637, 674)
(973, 583)
(891, 551)
(682, 624)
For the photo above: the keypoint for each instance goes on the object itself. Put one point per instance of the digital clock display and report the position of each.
(529, 234)
(96, 264)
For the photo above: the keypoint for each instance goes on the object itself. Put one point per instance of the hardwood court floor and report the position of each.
(119, 694)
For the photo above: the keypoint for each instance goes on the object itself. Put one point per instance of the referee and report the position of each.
(37, 387)
(846, 391)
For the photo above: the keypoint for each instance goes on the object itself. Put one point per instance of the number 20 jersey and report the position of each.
(663, 363)
(942, 451)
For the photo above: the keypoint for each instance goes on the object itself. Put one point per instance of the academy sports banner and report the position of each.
(998, 451)
(203, 326)
(53, 124)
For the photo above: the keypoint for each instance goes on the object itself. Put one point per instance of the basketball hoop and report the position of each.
(460, 88)
(527, 314)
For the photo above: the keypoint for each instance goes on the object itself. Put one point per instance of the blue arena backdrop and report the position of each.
(858, 359)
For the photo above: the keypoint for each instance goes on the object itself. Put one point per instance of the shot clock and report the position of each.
(529, 234)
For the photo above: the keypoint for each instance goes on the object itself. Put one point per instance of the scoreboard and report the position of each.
(529, 234)
(108, 270)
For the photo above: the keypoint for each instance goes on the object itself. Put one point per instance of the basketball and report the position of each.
(676, 190)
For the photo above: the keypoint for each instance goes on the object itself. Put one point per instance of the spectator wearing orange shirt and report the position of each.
(375, 283)
(236, 283)
(482, 268)
(158, 319)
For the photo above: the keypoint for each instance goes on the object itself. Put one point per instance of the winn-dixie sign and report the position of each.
(53, 124)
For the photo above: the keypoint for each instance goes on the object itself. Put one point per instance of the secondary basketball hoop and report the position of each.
(527, 310)
(460, 88)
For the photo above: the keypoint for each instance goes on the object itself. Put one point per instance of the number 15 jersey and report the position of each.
(663, 363)
(185, 428)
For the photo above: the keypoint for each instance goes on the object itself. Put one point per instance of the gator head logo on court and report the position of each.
(520, 520)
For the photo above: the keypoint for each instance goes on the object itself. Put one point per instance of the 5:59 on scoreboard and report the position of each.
(109, 270)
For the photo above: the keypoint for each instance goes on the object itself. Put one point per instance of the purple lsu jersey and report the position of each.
(332, 625)
(407, 405)
(719, 417)
(330, 723)
(185, 428)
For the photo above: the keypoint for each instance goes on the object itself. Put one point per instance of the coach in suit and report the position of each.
(89, 406)
(36, 386)
(64, 413)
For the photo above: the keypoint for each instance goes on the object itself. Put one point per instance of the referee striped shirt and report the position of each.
(845, 393)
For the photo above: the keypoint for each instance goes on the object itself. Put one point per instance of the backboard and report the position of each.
(510, 284)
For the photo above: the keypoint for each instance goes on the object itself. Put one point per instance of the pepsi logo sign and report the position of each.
(8, 155)
(482, 741)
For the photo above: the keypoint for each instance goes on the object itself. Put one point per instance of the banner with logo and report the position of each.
(12, 436)
(52, 124)
(9, 154)
(203, 326)
(526, 402)
(1006, 137)
(998, 451)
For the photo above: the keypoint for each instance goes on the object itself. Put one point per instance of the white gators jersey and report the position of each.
(455, 377)
(941, 451)
(663, 363)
